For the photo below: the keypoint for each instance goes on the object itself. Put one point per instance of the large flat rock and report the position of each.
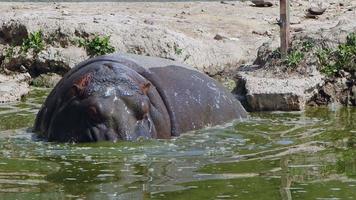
(277, 94)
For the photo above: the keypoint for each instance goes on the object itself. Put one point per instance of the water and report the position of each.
(299, 155)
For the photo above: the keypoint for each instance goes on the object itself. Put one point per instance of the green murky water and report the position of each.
(300, 155)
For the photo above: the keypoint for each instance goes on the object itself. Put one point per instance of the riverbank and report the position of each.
(214, 37)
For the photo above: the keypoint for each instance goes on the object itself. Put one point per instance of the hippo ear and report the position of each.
(80, 85)
(145, 87)
(77, 91)
(74, 90)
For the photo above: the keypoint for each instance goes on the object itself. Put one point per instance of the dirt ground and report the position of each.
(240, 23)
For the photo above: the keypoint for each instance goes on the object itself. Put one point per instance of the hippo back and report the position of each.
(194, 100)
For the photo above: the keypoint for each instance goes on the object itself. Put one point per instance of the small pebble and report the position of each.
(219, 37)
(147, 21)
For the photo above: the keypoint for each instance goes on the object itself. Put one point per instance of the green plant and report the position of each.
(351, 40)
(33, 41)
(276, 53)
(9, 52)
(346, 53)
(187, 57)
(341, 58)
(328, 68)
(177, 50)
(97, 45)
(294, 58)
(307, 45)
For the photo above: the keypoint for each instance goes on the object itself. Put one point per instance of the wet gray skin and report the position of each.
(125, 97)
(95, 108)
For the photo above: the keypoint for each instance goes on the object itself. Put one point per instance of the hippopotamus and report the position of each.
(126, 97)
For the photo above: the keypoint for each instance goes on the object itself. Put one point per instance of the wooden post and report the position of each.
(284, 25)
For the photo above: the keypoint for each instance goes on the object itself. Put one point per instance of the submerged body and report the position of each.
(124, 97)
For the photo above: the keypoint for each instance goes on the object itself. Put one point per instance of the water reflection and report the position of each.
(299, 155)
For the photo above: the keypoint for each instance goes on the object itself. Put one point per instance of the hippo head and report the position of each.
(102, 101)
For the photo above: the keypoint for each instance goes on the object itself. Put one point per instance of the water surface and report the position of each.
(299, 155)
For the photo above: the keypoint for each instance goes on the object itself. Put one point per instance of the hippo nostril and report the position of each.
(142, 129)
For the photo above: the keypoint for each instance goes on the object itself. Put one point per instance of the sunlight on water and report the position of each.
(298, 155)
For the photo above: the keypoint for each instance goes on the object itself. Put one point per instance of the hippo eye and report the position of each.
(142, 110)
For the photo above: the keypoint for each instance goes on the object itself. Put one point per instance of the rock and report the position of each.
(263, 54)
(219, 37)
(96, 20)
(23, 69)
(316, 10)
(333, 91)
(148, 21)
(276, 73)
(57, 60)
(329, 89)
(329, 37)
(345, 74)
(272, 94)
(262, 33)
(295, 20)
(13, 87)
(65, 13)
(298, 29)
(48, 80)
(311, 16)
(262, 3)
(13, 32)
(61, 37)
(227, 2)
(19, 62)
(353, 98)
